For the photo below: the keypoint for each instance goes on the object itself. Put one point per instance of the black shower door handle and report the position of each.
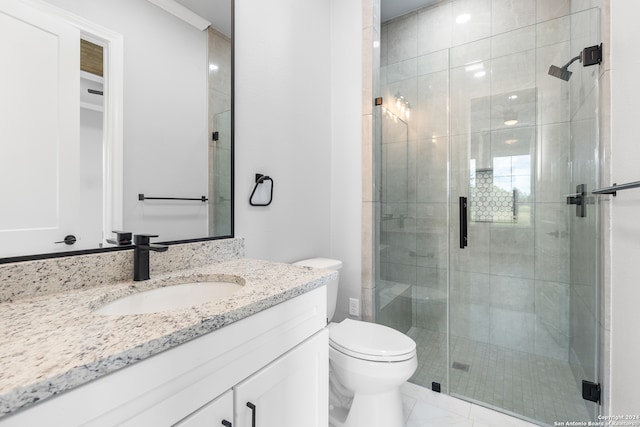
(463, 222)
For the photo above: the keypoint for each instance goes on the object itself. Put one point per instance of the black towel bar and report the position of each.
(143, 197)
(615, 188)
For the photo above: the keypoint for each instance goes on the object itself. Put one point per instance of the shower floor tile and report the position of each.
(535, 387)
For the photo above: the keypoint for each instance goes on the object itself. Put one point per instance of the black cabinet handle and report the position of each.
(253, 413)
(69, 239)
(226, 423)
(463, 222)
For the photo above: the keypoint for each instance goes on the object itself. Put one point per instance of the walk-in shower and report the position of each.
(480, 256)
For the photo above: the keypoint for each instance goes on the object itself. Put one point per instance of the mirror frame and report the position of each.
(62, 254)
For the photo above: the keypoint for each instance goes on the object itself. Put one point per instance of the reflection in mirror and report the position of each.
(79, 147)
(220, 130)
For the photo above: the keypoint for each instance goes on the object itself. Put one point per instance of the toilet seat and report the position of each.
(371, 341)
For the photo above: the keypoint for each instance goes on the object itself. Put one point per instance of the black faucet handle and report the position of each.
(143, 239)
(122, 238)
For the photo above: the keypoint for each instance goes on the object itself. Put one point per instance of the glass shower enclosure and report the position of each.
(487, 234)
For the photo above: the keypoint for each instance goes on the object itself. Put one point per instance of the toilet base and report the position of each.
(374, 410)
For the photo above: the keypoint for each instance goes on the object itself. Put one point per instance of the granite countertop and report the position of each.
(52, 343)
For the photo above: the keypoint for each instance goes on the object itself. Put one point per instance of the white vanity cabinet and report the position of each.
(276, 359)
(289, 392)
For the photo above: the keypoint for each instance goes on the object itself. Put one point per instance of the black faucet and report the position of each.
(141, 255)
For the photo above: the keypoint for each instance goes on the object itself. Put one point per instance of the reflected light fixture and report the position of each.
(463, 18)
(474, 67)
(213, 67)
(403, 108)
(510, 117)
(478, 67)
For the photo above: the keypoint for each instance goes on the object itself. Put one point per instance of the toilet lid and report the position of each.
(370, 341)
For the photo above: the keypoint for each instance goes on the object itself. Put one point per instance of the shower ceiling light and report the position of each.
(511, 122)
(480, 74)
(463, 18)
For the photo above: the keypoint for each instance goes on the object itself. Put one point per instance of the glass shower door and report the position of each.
(522, 318)
(584, 231)
(397, 241)
(411, 287)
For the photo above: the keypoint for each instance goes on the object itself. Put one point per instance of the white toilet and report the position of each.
(368, 363)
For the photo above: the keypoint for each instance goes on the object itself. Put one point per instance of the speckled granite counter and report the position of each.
(52, 343)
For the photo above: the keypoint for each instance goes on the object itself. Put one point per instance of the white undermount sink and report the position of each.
(166, 298)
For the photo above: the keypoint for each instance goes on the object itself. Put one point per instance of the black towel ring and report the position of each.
(260, 179)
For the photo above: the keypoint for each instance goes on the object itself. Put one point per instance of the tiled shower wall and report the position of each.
(510, 286)
(370, 155)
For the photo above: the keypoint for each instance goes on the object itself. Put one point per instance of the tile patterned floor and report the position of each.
(424, 408)
(535, 387)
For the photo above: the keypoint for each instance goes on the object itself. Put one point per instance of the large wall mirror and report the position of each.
(116, 115)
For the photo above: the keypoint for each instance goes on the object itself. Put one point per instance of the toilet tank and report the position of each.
(332, 287)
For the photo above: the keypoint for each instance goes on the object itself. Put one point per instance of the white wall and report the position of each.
(625, 228)
(298, 111)
(283, 126)
(346, 153)
(165, 114)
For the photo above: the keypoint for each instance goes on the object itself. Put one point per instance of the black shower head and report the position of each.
(561, 73)
(591, 55)
(564, 73)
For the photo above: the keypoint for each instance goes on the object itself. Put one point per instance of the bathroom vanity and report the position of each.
(256, 358)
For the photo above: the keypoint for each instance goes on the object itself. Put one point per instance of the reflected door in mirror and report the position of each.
(39, 156)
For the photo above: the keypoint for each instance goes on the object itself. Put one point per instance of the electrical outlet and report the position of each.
(354, 307)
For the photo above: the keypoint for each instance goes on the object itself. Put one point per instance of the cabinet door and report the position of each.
(292, 391)
(216, 413)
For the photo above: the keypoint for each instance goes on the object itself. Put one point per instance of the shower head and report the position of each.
(564, 73)
(561, 73)
(591, 55)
